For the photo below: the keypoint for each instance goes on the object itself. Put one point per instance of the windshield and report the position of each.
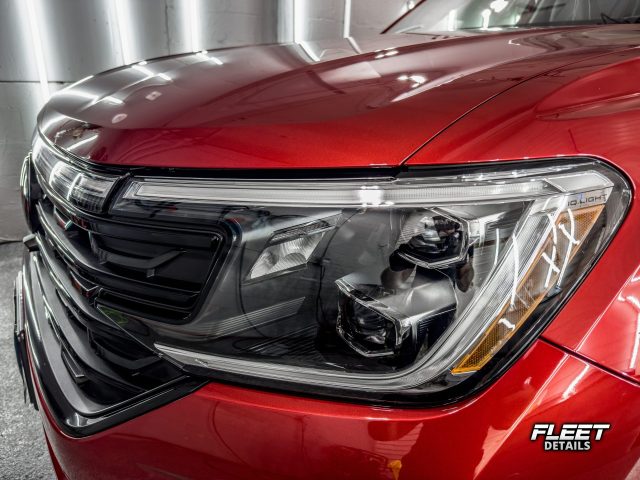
(451, 15)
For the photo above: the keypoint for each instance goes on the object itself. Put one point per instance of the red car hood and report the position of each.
(310, 105)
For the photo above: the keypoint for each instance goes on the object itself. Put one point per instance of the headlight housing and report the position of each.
(72, 184)
(418, 287)
(384, 288)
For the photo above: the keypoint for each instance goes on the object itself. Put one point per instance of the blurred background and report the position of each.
(47, 44)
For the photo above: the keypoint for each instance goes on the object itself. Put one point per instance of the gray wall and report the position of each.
(71, 39)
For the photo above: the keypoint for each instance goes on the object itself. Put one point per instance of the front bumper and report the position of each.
(227, 432)
(54, 345)
(20, 342)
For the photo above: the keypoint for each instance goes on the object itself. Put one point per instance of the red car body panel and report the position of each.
(226, 433)
(271, 107)
(502, 97)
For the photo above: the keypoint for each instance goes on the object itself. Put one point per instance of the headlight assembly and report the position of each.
(71, 184)
(421, 287)
(394, 288)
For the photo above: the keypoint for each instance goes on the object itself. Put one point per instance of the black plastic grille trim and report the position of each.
(166, 285)
(89, 387)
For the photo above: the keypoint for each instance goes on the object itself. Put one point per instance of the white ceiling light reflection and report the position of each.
(122, 14)
(79, 144)
(452, 20)
(299, 30)
(309, 51)
(79, 93)
(153, 95)
(36, 40)
(346, 23)
(118, 118)
(387, 52)
(486, 17)
(140, 67)
(55, 119)
(73, 85)
(633, 361)
(112, 100)
(191, 24)
(354, 44)
(76, 93)
(498, 5)
(298, 21)
(409, 5)
(416, 79)
(417, 83)
(571, 389)
(205, 55)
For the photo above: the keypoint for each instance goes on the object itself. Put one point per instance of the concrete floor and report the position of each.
(23, 451)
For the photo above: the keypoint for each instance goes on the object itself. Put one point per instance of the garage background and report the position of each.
(47, 44)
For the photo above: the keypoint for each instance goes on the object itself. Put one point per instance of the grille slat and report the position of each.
(142, 278)
(95, 377)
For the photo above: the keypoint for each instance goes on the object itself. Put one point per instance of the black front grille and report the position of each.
(91, 274)
(91, 372)
(141, 270)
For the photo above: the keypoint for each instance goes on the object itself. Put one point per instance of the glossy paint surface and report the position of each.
(225, 432)
(614, 337)
(358, 104)
(556, 94)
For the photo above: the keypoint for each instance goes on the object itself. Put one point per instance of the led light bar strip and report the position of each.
(85, 190)
(350, 194)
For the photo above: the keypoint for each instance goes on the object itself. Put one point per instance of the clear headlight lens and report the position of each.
(388, 285)
(73, 185)
(290, 249)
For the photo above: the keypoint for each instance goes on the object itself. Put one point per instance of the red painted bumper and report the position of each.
(225, 432)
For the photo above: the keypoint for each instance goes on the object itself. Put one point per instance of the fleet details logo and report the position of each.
(569, 436)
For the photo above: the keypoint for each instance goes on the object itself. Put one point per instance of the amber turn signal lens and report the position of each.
(546, 273)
